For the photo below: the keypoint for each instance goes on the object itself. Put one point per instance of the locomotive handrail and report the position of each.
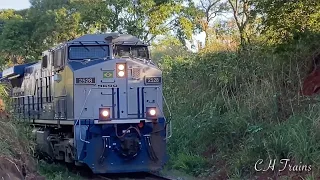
(167, 121)
(170, 115)
(165, 101)
(79, 119)
(21, 96)
(60, 96)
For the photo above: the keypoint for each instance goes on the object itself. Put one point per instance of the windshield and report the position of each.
(88, 52)
(132, 51)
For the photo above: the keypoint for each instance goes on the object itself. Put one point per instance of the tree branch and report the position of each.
(146, 35)
(209, 9)
(153, 36)
(235, 13)
(203, 6)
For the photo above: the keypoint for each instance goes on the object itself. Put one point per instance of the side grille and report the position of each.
(135, 73)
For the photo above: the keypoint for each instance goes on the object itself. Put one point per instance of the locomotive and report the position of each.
(96, 100)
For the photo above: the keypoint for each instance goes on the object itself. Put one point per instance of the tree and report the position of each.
(6, 15)
(15, 41)
(116, 18)
(147, 19)
(66, 25)
(243, 14)
(55, 22)
(286, 20)
(167, 46)
(15, 44)
(187, 21)
(95, 16)
(49, 17)
(48, 22)
(211, 9)
(45, 5)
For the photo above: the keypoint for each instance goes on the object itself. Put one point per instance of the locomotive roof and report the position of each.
(15, 71)
(117, 38)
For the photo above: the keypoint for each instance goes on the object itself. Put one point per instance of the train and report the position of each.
(95, 101)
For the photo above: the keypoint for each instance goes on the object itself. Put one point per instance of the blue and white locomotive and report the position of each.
(95, 100)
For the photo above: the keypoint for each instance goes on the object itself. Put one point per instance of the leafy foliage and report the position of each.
(168, 47)
(211, 9)
(286, 20)
(236, 109)
(48, 22)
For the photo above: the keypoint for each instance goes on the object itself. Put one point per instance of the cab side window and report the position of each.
(59, 58)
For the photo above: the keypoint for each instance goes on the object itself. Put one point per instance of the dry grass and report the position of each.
(16, 150)
(237, 108)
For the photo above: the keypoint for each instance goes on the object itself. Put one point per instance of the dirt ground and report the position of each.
(20, 164)
(11, 169)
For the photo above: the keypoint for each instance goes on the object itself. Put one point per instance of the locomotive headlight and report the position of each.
(121, 67)
(104, 113)
(151, 112)
(121, 73)
(121, 70)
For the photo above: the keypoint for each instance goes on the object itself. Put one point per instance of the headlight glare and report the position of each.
(121, 70)
(152, 112)
(104, 113)
(121, 73)
(121, 67)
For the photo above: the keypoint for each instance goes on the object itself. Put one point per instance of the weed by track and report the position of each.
(230, 110)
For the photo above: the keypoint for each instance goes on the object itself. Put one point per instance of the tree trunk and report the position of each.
(242, 38)
(206, 40)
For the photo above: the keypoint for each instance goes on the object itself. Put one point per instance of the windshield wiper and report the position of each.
(84, 46)
(86, 60)
(100, 46)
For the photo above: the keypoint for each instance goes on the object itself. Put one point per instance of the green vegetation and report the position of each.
(238, 113)
(231, 109)
(236, 101)
(25, 34)
(16, 147)
(56, 172)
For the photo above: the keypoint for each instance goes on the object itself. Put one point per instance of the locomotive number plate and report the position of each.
(153, 80)
(85, 80)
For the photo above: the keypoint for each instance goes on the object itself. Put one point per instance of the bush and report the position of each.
(56, 172)
(238, 108)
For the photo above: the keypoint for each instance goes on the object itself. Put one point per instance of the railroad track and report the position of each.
(133, 176)
(86, 173)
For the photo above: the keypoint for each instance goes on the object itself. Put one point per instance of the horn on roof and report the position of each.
(112, 36)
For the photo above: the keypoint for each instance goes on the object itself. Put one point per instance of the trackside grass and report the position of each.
(230, 110)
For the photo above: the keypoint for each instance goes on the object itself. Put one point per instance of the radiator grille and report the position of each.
(136, 72)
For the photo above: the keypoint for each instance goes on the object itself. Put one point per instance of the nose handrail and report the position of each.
(168, 133)
(83, 107)
(79, 119)
(170, 116)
